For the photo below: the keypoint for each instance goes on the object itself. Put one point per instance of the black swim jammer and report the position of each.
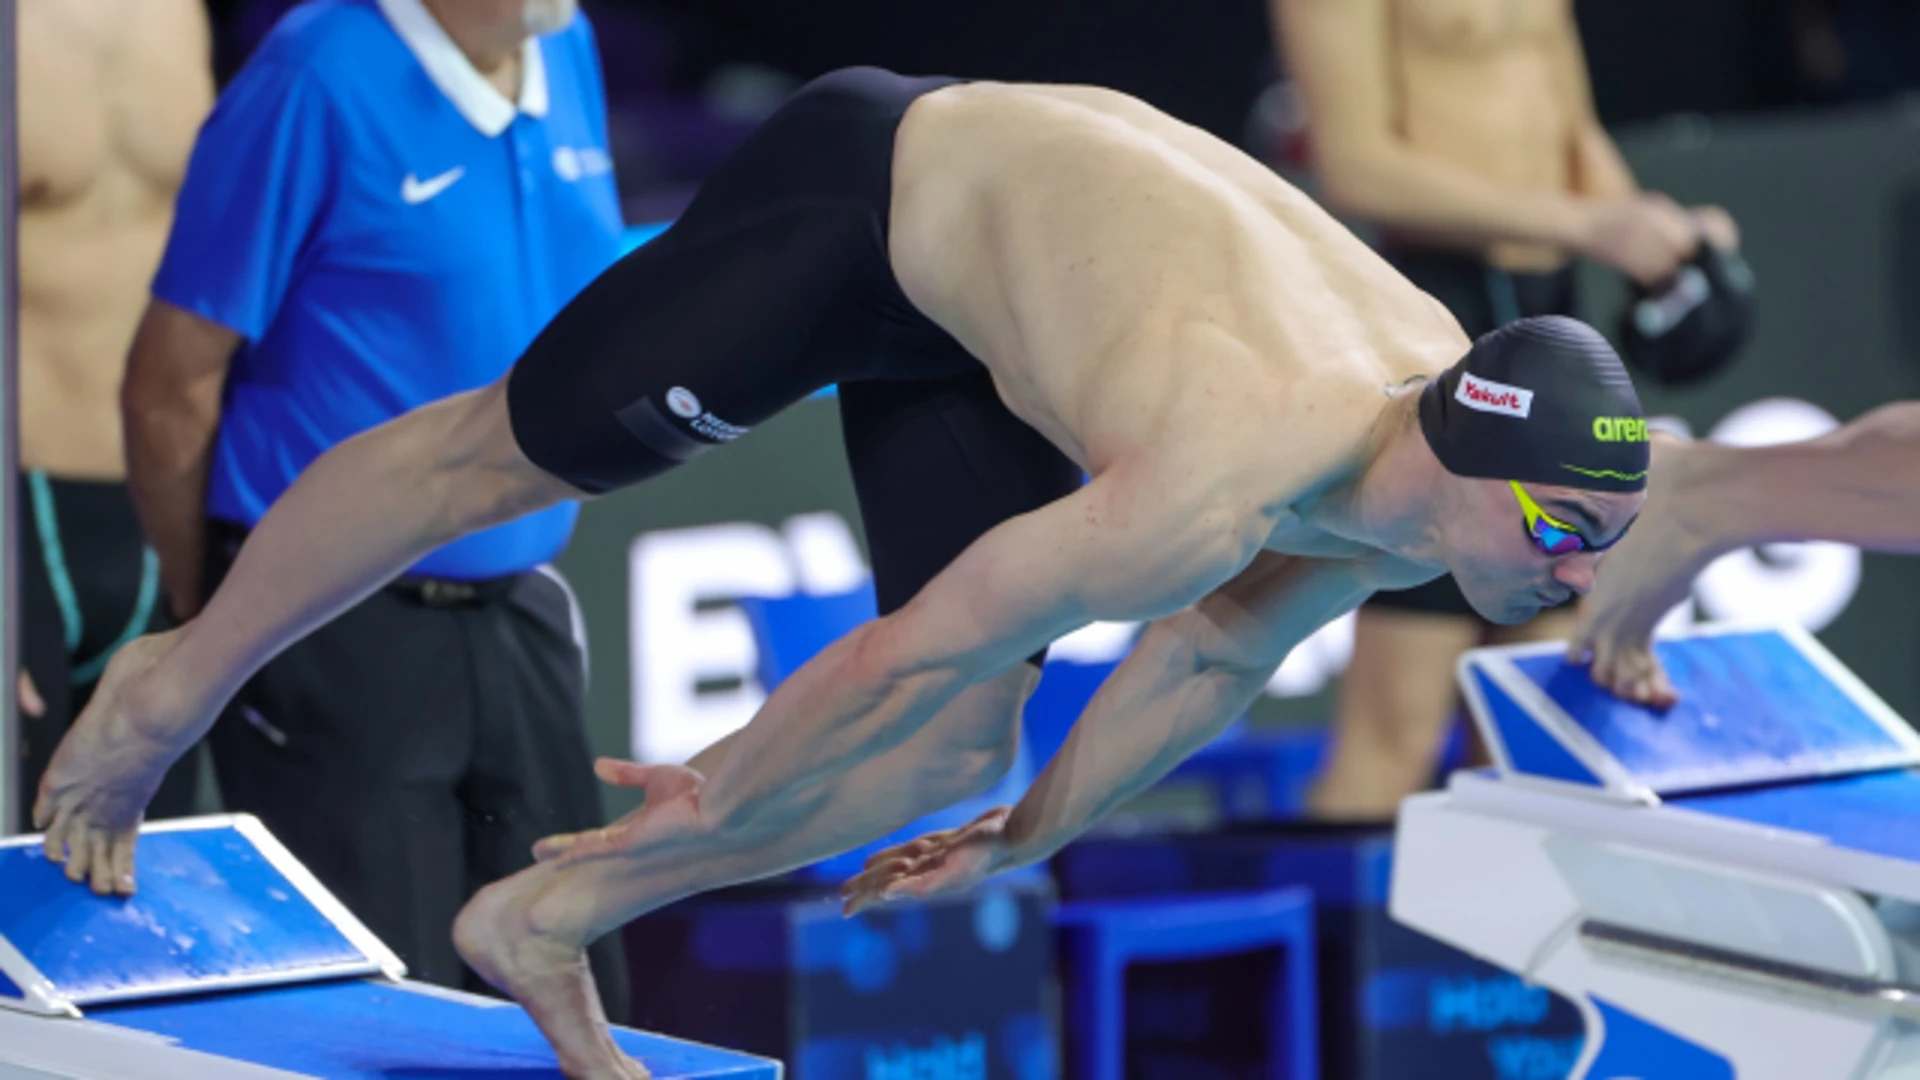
(775, 283)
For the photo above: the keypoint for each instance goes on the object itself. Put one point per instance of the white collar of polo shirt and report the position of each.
(482, 103)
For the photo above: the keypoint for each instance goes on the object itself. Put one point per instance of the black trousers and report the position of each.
(410, 752)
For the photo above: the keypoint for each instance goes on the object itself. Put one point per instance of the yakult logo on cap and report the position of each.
(1494, 397)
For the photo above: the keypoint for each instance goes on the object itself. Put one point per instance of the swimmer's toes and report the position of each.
(550, 980)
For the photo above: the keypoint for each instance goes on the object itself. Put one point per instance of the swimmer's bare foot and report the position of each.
(546, 973)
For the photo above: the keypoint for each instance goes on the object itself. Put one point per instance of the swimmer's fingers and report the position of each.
(552, 847)
(911, 849)
(47, 816)
(1656, 691)
(584, 845)
(123, 848)
(1633, 675)
(658, 782)
(100, 863)
(80, 843)
(30, 701)
(992, 820)
(1718, 227)
(869, 887)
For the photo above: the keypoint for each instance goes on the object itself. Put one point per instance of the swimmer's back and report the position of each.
(1086, 247)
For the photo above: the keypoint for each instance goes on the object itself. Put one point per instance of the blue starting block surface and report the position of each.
(377, 1030)
(219, 904)
(1757, 706)
(1872, 813)
(231, 962)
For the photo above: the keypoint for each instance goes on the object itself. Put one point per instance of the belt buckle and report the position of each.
(447, 593)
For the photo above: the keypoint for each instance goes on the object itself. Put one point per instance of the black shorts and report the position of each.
(1484, 298)
(775, 283)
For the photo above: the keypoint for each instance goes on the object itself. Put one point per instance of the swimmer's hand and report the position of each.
(949, 861)
(1645, 237)
(1641, 580)
(671, 808)
(1717, 227)
(108, 766)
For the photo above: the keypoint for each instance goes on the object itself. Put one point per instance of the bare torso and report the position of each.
(1134, 283)
(1483, 84)
(111, 93)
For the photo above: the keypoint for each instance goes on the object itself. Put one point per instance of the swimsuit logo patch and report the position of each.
(1489, 396)
(683, 402)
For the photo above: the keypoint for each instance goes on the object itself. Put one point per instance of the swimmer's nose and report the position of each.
(1577, 572)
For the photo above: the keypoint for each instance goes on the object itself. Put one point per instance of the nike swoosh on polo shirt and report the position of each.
(415, 191)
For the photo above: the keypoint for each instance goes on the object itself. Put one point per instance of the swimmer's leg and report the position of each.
(1394, 704)
(526, 934)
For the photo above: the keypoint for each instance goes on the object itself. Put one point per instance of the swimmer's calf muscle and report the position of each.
(356, 518)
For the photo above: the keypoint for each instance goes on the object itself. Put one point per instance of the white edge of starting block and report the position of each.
(44, 997)
(43, 1048)
(318, 895)
(1497, 662)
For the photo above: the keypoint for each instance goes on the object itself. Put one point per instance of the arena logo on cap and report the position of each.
(1619, 429)
(683, 402)
(1487, 395)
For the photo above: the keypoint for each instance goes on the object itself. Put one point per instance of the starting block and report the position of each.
(232, 962)
(1727, 889)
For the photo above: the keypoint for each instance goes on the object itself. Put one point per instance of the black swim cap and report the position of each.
(1543, 400)
(1694, 325)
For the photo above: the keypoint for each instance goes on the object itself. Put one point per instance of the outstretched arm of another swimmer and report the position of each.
(1856, 485)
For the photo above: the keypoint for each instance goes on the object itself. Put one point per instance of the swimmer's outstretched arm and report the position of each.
(357, 517)
(1858, 484)
(1187, 677)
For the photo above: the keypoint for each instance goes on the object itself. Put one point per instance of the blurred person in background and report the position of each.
(1852, 50)
(110, 95)
(1465, 131)
(388, 203)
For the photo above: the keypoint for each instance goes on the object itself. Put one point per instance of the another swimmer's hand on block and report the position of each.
(1859, 484)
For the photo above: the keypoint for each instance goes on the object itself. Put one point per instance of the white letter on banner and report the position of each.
(1321, 657)
(825, 556)
(1807, 584)
(673, 647)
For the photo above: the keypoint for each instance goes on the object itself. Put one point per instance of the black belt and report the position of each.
(226, 538)
(449, 593)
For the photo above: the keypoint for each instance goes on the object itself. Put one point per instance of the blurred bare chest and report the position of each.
(112, 93)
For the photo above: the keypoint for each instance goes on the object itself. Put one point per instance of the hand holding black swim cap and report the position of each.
(1693, 326)
(1543, 400)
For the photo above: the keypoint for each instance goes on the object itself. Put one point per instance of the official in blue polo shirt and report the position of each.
(387, 204)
